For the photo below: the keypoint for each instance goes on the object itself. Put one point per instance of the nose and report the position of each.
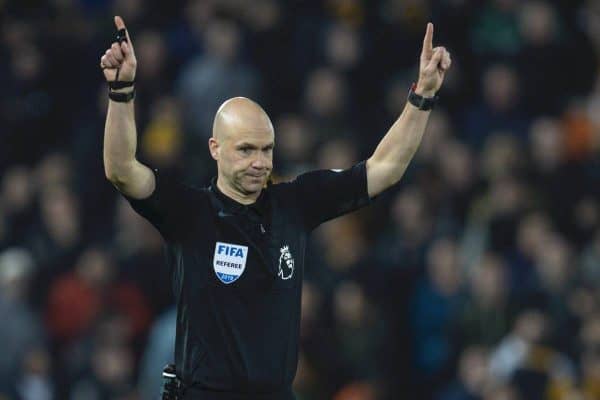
(261, 161)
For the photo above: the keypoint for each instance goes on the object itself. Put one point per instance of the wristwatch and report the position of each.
(422, 103)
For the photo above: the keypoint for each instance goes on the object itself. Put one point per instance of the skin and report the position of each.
(242, 145)
(243, 137)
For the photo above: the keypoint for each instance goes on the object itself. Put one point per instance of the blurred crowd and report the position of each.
(476, 278)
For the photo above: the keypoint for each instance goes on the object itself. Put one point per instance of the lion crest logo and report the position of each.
(286, 263)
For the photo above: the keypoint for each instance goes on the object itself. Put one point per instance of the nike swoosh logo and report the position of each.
(222, 214)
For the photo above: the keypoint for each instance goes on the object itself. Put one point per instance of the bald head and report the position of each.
(239, 116)
(242, 145)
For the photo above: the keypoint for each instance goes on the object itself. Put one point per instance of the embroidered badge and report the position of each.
(286, 263)
(229, 261)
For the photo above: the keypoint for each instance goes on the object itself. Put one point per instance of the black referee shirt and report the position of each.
(237, 274)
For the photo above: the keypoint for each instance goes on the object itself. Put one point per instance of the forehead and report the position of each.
(262, 136)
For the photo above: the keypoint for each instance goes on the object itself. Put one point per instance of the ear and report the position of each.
(213, 147)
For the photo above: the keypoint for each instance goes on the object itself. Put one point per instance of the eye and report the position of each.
(245, 150)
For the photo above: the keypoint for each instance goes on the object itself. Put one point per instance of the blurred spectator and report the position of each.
(35, 382)
(213, 77)
(18, 191)
(495, 29)
(542, 46)
(359, 330)
(162, 141)
(295, 140)
(435, 306)
(76, 300)
(590, 359)
(590, 267)
(159, 352)
(499, 109)
(473, 376)
(486, 314)
(59, 234)
(357, 391)
(326, 104)
(21, 329)
(404, 245)
(548, 153)
(455, 167)
(110, 376)
(523, 358)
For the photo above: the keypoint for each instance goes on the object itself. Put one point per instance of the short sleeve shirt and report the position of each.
(237, 273)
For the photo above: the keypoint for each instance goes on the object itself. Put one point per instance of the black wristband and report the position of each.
(422, 103)
(120, 84)
(121, 97)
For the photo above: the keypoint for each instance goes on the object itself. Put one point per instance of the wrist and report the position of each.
(124, 95)
(123, 90)
(424, 92)
(423, 102)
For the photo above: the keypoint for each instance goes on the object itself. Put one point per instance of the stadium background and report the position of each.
(476, 277)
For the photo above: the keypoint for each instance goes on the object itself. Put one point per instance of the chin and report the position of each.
(247, 187)
(253, 187)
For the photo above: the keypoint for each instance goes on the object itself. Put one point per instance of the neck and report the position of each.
(230, 192)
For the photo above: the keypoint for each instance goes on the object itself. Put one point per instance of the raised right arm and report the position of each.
(121, 168)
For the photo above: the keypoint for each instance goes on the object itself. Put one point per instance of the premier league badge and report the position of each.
(286, 263)
(229, 261)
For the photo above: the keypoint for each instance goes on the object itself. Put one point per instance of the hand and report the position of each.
(119, 57)
(434, 64)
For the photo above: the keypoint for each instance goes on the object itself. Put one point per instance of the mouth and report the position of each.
(256, 176)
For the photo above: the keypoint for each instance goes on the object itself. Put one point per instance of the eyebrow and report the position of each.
(253, 146)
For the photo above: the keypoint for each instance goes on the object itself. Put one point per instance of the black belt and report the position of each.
(196, 393)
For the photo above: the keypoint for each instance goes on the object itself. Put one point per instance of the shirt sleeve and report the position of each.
(167, 207)
(327, 194)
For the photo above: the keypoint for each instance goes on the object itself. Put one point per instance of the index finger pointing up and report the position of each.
(428, 41)
(119, 22)
(121, 25)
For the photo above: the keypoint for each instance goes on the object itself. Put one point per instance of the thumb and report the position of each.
(438, 52)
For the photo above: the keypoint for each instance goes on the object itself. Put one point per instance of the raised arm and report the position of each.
(393, 154)
(131, 177)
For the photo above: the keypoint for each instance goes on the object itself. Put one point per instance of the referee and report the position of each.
(236, 248)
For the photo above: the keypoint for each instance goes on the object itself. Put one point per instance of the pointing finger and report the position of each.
(120, 24)
(428, 42)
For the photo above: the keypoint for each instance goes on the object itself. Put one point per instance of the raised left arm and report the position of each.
(393, 154)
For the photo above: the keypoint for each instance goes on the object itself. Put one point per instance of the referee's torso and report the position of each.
(237, 275)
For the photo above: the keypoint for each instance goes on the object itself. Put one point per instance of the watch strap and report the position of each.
(422, 103)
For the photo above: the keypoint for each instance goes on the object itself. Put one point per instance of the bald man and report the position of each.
(236, 248)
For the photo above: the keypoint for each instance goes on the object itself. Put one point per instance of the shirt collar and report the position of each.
(232, 206)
